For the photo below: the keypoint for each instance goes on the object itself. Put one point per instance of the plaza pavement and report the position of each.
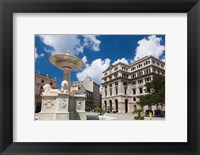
(111, 116)
(116, 116)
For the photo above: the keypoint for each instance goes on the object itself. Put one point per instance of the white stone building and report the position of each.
(122, 83)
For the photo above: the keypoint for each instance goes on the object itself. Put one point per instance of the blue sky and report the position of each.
(97, 51)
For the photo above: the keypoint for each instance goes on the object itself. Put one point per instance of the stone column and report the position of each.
(108, 90)
(66, 74)
(120, 88)
(113, 89)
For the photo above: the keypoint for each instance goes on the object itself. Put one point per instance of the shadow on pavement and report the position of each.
(92, 117)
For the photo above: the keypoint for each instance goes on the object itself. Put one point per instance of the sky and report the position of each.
(98, 52)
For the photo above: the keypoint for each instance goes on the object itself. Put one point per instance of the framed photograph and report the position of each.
(99, 85)
(99, 77)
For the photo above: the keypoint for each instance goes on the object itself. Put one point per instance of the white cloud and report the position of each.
(124, 60)
(149, 46)
(63, 43)
(92, 42)
(132, 61)
(42, 54)
(163, 59)
(36, 54)
(95, 70)
(100, 89)
(84, 59)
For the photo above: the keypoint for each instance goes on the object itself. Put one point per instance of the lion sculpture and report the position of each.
(49, 91)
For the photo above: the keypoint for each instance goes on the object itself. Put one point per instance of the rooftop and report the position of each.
(45, 76)
(135, 62)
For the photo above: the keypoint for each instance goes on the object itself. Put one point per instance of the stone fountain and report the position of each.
(61, 104)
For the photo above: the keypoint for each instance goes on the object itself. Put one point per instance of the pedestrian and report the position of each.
(150, 115)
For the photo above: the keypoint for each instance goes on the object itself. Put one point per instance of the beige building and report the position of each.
(40, 81)
(122, 83)
(92, 91)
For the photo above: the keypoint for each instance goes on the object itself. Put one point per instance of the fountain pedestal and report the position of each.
(61, 104)
(58, 105)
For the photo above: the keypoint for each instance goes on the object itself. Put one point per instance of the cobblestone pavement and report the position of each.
(122, 116)
(128, 116)
(117, 116)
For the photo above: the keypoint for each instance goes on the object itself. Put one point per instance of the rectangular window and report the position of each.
(140, 81)
(148, 79)
(141, 91)
(149, 70)
(134, 91)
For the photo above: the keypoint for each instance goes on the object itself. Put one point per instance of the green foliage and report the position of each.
(139, 118)
(136, 111)
(98, 109)
(157, 95)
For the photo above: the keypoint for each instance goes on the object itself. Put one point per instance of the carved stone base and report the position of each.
(63, 106)
(53, 116)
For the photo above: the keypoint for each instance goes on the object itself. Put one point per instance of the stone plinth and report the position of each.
(54, 107)
(62, 106)
(77, 107)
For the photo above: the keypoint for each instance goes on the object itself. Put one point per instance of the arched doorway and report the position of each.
(105, 103)
(116, 105)
(110, 105)
(126, 105)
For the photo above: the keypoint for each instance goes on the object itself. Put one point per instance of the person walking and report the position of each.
(150, 115)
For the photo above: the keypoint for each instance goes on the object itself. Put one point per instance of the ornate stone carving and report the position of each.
(64, 103)
(48, 105)
(80, 104)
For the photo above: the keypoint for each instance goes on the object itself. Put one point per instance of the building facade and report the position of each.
(92, 92)
(123, 83)
(40, 81)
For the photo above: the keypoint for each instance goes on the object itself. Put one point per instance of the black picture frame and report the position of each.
(8, 7)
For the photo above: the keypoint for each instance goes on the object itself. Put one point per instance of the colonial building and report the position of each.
(40, 81)
(123, 83)
(92, 92)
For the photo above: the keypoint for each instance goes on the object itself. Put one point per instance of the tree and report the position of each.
(156, 90)
(140, 114)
